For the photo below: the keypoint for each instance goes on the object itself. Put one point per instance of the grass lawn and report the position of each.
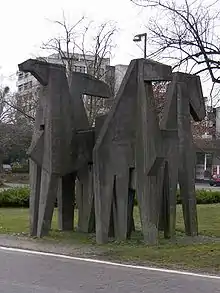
(208, 219)
(204, 256)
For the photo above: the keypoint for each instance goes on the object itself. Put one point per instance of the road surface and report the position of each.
(25, 273)
(207, 187)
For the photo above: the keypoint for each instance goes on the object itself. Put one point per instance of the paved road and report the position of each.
(207, 186)
(26, 273)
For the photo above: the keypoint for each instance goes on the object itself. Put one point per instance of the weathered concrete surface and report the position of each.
(34, 201)
(61, 145)
(149, 151)
(36, 151)
(66, 202)
(188, 86)
(184, 97)
(84, 84)
(51, 147)
(84, 140)
(169, 127)
(113, 154)
(130, 138)
(57, 117)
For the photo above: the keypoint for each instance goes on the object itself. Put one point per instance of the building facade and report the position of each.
(207, 140)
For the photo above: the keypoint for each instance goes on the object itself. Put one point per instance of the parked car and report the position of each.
(7, 168)
(215, 180)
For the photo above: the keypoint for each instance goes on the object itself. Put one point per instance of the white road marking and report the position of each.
(63, 256)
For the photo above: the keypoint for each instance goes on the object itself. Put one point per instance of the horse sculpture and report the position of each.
(184, 99)
(54, 151)
(130, 140)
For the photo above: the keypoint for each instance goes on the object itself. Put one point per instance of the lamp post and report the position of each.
(138, 38)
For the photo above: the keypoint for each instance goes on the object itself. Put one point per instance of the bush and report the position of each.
(23, 169)
(20, 168)
(204, 196)
(19, 197)
(15, 197)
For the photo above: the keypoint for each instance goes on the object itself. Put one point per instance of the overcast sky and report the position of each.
(24, 26)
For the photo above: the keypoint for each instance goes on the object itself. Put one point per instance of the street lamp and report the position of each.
(138, 38)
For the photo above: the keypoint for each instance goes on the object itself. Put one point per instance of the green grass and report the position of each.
(205, 256)
(16, 220)
(208, 219)
(13, 220)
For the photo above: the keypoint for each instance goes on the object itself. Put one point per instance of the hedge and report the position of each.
(22, 170)
(204, 196)
(15, 197)
(19, 197)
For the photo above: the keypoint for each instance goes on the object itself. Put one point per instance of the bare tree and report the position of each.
(25, 106)
(89, 40)
(64, 45)
(5, 112)
(9, 107)
(100, 47)
(186, 33)
(14, 138)
(159, 90)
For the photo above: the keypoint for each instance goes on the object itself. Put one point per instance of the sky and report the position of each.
(26, 24)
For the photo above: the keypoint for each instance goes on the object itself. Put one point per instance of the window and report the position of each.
(20, 75)
(26, 86)
(26, 74)
(30, 84)
(20, 87)
(200, 158)
(81, 69)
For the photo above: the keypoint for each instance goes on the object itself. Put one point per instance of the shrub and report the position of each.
(15, 197)
(23, 169)
(20, 168)
(204, 196)
(19, 197)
